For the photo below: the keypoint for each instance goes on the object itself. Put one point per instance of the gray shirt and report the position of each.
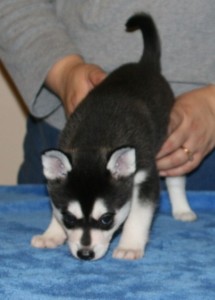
(35, 34)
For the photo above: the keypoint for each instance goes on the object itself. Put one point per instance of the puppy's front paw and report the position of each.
(43, 241)
(186, 216)
(129, 254)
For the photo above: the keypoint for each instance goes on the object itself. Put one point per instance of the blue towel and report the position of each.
(179, 262)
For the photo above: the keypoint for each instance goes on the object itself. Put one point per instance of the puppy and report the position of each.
(104, 173)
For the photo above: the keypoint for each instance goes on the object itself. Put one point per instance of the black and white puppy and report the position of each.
(105, 173)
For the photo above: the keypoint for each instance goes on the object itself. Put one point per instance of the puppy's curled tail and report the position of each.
(152, 49)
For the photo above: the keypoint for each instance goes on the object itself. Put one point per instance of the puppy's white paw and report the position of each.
(129, 254)
(43, 241)
(186, 216)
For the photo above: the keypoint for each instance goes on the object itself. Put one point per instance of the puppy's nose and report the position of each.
(85, 254)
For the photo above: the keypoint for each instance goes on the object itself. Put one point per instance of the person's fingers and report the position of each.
(176, 159)
(96, 76)
(177, 135)
(185, 168)
(76, 98)
(89, 77)
(191, 133)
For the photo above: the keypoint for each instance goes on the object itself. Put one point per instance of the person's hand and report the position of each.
(72, 79)
(191, 132)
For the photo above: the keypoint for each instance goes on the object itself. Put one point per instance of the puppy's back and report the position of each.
(134, 101)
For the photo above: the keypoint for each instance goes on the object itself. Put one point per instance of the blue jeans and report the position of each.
(40, 136)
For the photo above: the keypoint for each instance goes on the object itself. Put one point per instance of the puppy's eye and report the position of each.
(106, 220)
(69, 220)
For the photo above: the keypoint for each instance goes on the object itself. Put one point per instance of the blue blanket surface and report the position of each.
(179, 262)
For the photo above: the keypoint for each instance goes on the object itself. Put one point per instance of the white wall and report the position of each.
(12, 130)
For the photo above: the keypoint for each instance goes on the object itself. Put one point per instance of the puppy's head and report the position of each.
(91, 194)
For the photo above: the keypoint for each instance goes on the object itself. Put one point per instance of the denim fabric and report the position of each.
(40, 136)
(203, 178)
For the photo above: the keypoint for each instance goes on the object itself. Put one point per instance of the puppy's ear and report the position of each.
(122, 162)
(56, 165)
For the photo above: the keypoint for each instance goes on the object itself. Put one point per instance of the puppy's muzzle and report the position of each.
(86, 254)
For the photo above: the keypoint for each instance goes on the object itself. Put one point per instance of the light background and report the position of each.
(12, 130)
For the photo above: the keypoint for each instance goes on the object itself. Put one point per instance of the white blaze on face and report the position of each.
(100, 239)
(75, 209)
(99, 209)
(74, 240)
(73, 235)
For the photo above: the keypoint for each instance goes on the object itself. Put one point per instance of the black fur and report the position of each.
(130, 108)
(152, 48)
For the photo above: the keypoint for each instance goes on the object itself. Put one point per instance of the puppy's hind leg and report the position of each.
(52, 237)
(180, 207)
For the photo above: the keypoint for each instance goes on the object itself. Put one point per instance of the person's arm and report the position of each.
(32, 42)
(71, 79)
(191, 132)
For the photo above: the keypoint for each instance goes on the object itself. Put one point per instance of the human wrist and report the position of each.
(56, 77)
